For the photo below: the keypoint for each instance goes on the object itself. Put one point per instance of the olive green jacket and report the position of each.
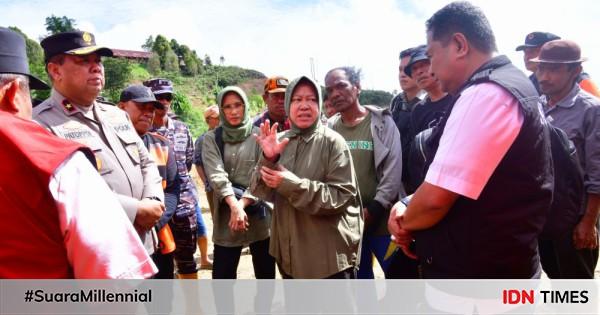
(240, 160)
(317, 217)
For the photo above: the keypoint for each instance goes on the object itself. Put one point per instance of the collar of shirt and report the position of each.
(70, 108)
(567, 102)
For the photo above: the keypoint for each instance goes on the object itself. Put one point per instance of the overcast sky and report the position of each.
(281, 37)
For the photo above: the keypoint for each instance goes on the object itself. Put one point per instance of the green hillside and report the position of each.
(196, 80)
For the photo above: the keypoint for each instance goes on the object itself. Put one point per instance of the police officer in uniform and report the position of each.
(72, 112)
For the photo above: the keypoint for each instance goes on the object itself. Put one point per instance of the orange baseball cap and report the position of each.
(276, 84)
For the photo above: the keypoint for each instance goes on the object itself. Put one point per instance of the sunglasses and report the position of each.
(165, 96)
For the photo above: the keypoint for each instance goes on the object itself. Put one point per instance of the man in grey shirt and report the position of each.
(576, 112)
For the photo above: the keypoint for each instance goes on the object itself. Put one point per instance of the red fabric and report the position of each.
(31, 244)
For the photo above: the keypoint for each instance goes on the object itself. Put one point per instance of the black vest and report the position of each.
(496, 235)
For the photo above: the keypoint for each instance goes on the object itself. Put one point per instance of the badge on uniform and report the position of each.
(98, 162)
(68, 106)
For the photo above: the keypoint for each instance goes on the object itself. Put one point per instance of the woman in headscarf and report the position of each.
(229, 154)
(307, 173)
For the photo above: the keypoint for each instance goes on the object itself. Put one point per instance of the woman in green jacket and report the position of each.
(307, 173)
(229, 154)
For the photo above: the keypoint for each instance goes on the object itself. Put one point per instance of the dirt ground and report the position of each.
(245, 270)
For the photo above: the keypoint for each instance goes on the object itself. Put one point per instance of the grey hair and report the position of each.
(6, 78)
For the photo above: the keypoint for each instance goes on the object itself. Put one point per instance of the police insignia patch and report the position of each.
(87, 38)
(67, 105)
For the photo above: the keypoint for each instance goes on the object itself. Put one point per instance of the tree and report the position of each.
(55, 24)
(154, 64)
(189, 58)
(176, 47)
(161, 47)
(375, 97)
(171, 62)
(222, 60)
(207, 61)
(147, 46)
(117, 73)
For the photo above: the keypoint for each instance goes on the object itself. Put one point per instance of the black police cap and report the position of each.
(72, 43)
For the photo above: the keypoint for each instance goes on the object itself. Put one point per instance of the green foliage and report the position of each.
(375, 97)
(230, 75)
(147, 46)
(175, 47)
(139, 73)
(192, 116)
(55, 24)
(171, 62)
(257, 104)
(161, 47)
(118, 73)
(190, 60)
(154, 64)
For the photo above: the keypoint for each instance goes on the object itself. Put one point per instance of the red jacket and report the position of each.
(31, 243)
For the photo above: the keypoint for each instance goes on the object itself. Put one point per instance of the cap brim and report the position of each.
(102, 51)
(162, 92)
(277, 90)
(522, 47)
(408, 68)
(156, 103)
(37, 84)
(538, 60)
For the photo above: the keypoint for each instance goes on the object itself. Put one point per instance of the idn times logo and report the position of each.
(514, 296)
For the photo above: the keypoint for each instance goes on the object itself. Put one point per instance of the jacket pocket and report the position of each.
(129, 142)
(102, 164)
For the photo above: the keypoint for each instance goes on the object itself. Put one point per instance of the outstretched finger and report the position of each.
(267, 127)
(274, 128)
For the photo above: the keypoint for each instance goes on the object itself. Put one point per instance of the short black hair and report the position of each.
(352, 73)
(462, 17)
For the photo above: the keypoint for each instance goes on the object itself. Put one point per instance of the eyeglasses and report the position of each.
(166, 96)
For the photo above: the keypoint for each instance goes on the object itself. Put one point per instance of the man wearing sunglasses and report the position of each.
(185, 222)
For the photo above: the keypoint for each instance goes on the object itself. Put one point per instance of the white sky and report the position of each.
(280, 37)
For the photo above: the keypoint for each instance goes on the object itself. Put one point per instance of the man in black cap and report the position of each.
(72, 112)
(140, 104)
(428, 112)
(188, 216)
(54, 205)
(577, 113)
(531, 49)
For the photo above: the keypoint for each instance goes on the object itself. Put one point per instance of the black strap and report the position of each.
(220, 143)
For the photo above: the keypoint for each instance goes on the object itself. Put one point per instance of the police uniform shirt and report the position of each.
(123, 160)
